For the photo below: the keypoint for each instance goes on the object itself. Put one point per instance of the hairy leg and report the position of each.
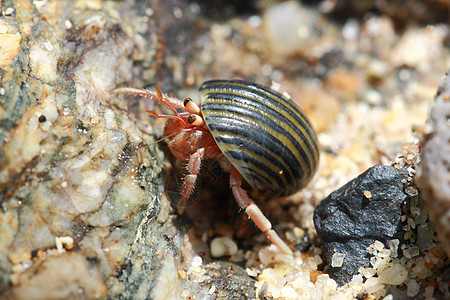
(193, 168)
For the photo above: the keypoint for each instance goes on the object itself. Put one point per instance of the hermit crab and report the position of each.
(264, 137)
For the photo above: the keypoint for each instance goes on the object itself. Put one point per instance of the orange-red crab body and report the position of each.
(265, 137)
(184, 142)
(191, 145)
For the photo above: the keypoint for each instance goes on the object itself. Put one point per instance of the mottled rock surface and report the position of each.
(222, 280)
(434, 172)
(365, 210)
(81, 178)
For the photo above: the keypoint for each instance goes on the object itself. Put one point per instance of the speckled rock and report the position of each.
(222, 280)
(81, 177)
(434, 175)
(365, 210)
(69, 275)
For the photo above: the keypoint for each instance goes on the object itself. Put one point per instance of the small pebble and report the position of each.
(337, 259)
(373, 97)
(67, 24)
(223, 246)
(394, 275)
(429, 290)
(413, 288)
(196, 261)
(367, 194)
(8, 11)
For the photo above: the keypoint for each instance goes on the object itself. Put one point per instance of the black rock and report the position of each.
(351, 218)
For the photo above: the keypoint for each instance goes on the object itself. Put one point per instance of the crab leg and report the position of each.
(193, 168)
(254, 212)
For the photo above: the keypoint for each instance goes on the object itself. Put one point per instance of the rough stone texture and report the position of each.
(348, 222)
(223, 280)
(68, 275)
(434, 169)
(76, 163)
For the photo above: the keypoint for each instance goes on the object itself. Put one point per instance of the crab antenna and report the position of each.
(174, 102)
(170, 103)
(165, 102)
(135, 92)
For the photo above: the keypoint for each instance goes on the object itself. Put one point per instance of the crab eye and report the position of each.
(187, 100)
(195, 120)
(191, 119)
(191, 106)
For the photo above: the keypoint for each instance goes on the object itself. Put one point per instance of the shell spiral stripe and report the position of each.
(263, 134)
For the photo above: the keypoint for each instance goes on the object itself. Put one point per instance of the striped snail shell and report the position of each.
(263, 134)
